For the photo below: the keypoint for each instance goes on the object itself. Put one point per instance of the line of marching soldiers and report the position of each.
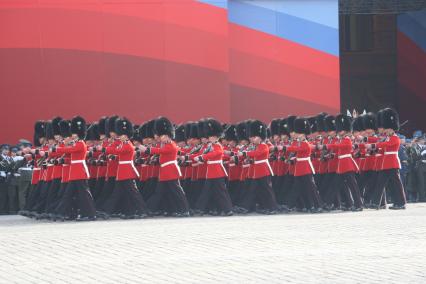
(112, 168)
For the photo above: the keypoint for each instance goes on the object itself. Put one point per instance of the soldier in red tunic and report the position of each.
(168, 193)
(389, 175)
(303, 185)
(260, 190)
(214, 193)
(77, 195)
(346, 167)
(125, 199)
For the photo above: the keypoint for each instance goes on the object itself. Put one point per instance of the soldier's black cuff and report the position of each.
(148, 151)
(90, 154)
(200, 159)
(138, 153)
(373, 146)
(356, 146)
(244, 154)
(179, 152)
(186, 158)
(46, 154)
(365, 139)
(37, 151)
(232, 154)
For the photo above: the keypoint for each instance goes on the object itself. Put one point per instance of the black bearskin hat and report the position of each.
(212, 127)
(302, 126)
(193, 130)
(142, 131)
(257, 128)
(201, 132)
(149, 133)
(163, 126)
(180, 133)
(65, 127)
(275, 126)
(110, 124)
(357, 124)
(102, 125)
(241, 130)
(49, 130)
(290, 121)
(343, 123)
(78, 126)
(321, 122)
(330, 123)
(284, 130)
(123, 126)
(379, 118)
(231, 133)
(390, 119)
(313, 123)
(55, 125)
(369, 121)
(40, 128)
(92, 132)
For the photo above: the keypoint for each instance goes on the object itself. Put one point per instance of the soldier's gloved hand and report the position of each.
(365, 139)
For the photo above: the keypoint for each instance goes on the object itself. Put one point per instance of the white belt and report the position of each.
(194, 165)
(266, 161)
(246, 165)
(214, 162)
(379, 155)
(129, 163)
(84, 165)
(36, 169)
(345, 156)
(217, 162)
(233, 165)
(303, 159)
(172, 163)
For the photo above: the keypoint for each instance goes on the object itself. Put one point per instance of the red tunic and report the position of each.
(303, 159)
(78, 167)
(213, 160)
(261, 166)
(126, 169)
(169, 169)
(343, 148)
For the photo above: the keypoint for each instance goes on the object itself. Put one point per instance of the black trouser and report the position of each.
(32, 197)
(194, 192)
(105, 193)
(364, 179)
(56, 203)
(259, 192)
(389, 178)
(303, 188)
(326, 184)
(234, 188)
(287, 186)
(421, 179)
(52, 195)
(40, 205)
(92, 186)
(149, 188)
(77, 198)
(214, 194)
(170, 194)
(346, 185)
(4, 199)
(125, 199)
(99, 186)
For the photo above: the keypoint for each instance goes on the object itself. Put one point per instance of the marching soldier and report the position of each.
(77, 195)
(168, 190)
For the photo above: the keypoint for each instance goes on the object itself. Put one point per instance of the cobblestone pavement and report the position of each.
(371, 247)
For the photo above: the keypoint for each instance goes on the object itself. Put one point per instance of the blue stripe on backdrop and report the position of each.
(413, 29)
(322, 12)
(308, 33)
(218, 3)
